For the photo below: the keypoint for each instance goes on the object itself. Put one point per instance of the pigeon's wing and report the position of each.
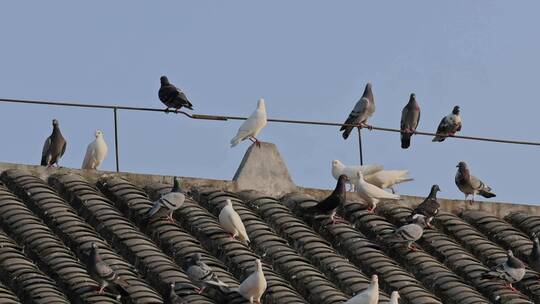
(370, 169)
(429, 207)
(411, 232)
(248, 128)
(404, 118)
(45, 154)
(199, 274)
(376, 192)
(238, 224)
(361, 298)
(64, 145)
(356, 116)
(104, 271)
(173, 200)
(90, 154)
(443, 126)
(154, 209)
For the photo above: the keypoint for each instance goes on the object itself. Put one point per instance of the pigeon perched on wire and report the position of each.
(410, 233)
(173, 298)
(511, 271)
(202, 275)
(172, 96)
(371, 193)
(329, 205)
(470, 184)
(449, 125)
(429, 207)
(534, 256)
(387, 179)
(252, 126)
(254, 286)
(394, 297)
(410, 117)
(361, 112)
(368, 296)
(232, 223)
(95, 152)
(338, 168)
(169, 202)
(103, 272)
(54, 147)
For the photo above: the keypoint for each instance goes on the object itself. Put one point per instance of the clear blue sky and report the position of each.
(308, 59)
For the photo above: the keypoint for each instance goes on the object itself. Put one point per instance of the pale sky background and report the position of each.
(309, 59)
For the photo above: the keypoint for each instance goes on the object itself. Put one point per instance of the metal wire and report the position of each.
(225, 118)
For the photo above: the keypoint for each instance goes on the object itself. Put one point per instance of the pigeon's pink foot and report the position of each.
(199, 290)
(511, 287)
(413, 248)
(100, 291)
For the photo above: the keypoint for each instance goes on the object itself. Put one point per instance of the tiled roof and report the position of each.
(48, 222)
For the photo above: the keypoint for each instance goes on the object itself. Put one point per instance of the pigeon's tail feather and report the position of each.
(404, 180)
(152, 210)
(121, 282)
(217, 283)
(237, 139)
(395, 239)
(405, 140)
(188, 105)
(491, 275)
(346, 131)
(438, 139)
(486, 193)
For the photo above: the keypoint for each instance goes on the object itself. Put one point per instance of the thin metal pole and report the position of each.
(360, 146)
(116, 139)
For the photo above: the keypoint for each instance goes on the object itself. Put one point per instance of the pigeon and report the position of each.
(338, 168)
(172, 96)
(410, 117)
(449, 125)
(254, 286)
(534, 256)
(429, 207)
(173, 298)
(54, 147)
(103, 272)
(370, 193)
(202, 275)
(386, 179)
(394, 297)
(511, 271)
(329, 205)
(361, 112)
(410, 233)
(232, 223)
(368, 296)
(252, 126)
(170, 202)
(469, 184)
(95, 153)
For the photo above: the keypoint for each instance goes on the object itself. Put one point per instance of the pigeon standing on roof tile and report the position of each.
(173, 298)
(410, 233)
(338, 168)
(361, 112)
(329, 205)
(429, 207)
(103, 272)
(252, 126)
(470, 184)
(202, 275)
(410, 117)
(449, 125)
(169, 202)
(172, 96)
(394, 297)
(254, 286)
(387, 179)
(368, 296)
(511, 271)
(371, 193)
(232, 223)
(95, 152)
(54, 146)
(534, 256)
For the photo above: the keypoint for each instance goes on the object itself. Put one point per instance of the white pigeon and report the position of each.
(252, 126)
(386, 179)
(96, 152)
(338, 168)
(254, 286)
(232, 223)
(368, 296)
(371, 193)
(394, 297)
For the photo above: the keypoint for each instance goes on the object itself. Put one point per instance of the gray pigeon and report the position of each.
(469, 184)
(202, 275)
(168, 202)
(429, 207)
(173, 298)
(449, 125)
(410, 117)
(172, 97)
(54, 147)
(534, 256)
(511, 271)
(410, 233)
(363, 110)
(103, 272)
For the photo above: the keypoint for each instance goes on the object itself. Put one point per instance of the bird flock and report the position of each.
(368, 181)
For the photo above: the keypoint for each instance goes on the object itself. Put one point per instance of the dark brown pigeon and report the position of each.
(54, 147)
(103, 272)
(449, 125)
(410, 117)
(429, 207)
(329, 205)
(363, 110)
(172, 97)
(470, 184)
